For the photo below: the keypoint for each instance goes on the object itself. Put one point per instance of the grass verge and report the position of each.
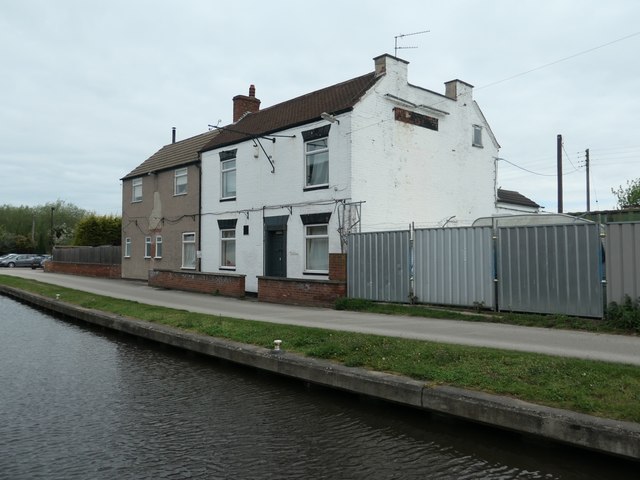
(596, 388)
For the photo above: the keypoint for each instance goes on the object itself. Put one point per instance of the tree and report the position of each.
(629, 196)
(97, 230)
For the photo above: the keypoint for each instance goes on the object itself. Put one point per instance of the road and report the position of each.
(595, 346)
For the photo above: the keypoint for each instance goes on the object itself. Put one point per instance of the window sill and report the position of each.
(228, 199)
(316, 272)
(233, 269)
(476, 145)
(187, 268)
(315, 187)
(179, 194)
(136, 201)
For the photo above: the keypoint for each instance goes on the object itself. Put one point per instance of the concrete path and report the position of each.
(612, 348)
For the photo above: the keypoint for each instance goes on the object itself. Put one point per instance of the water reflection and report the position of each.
(80, 403)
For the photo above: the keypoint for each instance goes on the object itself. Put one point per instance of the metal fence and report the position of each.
(105, 255)
(454, 266)
(539, 269)
(550, 269)
(378, 266)
(622, 248)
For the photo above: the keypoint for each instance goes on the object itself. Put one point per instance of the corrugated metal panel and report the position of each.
(622, 248)
(550, 269)
(454, 266)
(378, 266)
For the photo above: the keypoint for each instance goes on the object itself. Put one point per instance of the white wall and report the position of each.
(263, 193)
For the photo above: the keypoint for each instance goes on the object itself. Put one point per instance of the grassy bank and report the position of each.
(596, 388)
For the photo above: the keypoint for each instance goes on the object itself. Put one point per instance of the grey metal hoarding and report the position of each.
(378, 266)
(550, 269)
(622, 247)
(454, 266)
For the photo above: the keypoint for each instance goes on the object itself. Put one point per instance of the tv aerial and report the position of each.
(396, 47)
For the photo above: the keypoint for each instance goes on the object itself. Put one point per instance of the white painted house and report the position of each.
(283, 186)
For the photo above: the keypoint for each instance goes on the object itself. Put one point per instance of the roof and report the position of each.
(515, 198)
(336, 99)
(173, 155)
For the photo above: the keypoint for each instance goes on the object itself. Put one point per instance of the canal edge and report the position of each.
(606, 436)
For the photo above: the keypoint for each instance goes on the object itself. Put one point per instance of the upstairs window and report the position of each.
(180, 182)
(316, 157)
(477, 136)
(136, 190)
(228, 175)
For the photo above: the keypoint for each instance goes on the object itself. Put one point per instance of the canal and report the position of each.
(77, 402)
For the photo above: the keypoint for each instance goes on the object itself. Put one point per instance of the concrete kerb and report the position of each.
(603, 435)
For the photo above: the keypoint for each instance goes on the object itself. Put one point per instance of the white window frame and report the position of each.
(127, 247)
(224, 245)
(227, 171)
(147, 247)
(477, 136)
(136, 190)
(309, 155)
(180, 181)
(308, 239)
(189, 241)
(158, 252)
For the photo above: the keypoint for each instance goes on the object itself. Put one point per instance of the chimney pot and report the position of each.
(173, 135)
(252, 90)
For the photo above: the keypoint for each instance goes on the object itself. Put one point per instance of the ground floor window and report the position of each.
(127, 247)
(147, 247)
(189, 250)
(228, 248)
(317, 248)
(159, 246)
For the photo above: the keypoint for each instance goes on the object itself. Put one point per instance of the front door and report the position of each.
(275, 253)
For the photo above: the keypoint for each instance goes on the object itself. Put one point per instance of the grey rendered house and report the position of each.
(160, 210)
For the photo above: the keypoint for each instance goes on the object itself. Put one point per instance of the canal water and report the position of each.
(82, 403)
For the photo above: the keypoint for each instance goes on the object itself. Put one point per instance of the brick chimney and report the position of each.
(243, 104)
(455, 89)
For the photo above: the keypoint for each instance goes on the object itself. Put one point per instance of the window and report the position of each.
(127, 247)
(477, 136)
(136, 190)
(189, 250)
(317, 248)
(180, 182)
(147, 247)
(228, 173)
(316, 157)
(227, 248)
(316, 162)
(158, 246)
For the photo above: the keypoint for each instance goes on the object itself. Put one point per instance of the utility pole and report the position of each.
(588, 191)
(559, 155)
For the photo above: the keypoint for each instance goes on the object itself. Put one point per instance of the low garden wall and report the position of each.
(226, 284)
(84, 269)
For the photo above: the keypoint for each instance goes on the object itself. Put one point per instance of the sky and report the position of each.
(90, 89)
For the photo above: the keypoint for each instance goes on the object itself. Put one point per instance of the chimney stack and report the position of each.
(455, 89)
(173, 134)
(243, 104)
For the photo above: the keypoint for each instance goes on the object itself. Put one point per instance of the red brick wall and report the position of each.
(84, 269)
(227, 284)
(338, 267)
(296, 291)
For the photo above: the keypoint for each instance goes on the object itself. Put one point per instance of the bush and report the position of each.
(625, 316)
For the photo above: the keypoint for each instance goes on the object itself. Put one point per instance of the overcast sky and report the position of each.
(90, 89)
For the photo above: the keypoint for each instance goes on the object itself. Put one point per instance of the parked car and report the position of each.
(38, 261)
(17, 260)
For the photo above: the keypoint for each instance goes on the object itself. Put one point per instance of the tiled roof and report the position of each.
(173, 155)
(516, 198)
(298, 111)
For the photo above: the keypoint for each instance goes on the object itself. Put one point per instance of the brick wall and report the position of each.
(338, 267)
(226, 284)
(296, 291)
(84, 269)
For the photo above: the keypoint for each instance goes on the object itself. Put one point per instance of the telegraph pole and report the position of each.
(559, 155)
(588, 191)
